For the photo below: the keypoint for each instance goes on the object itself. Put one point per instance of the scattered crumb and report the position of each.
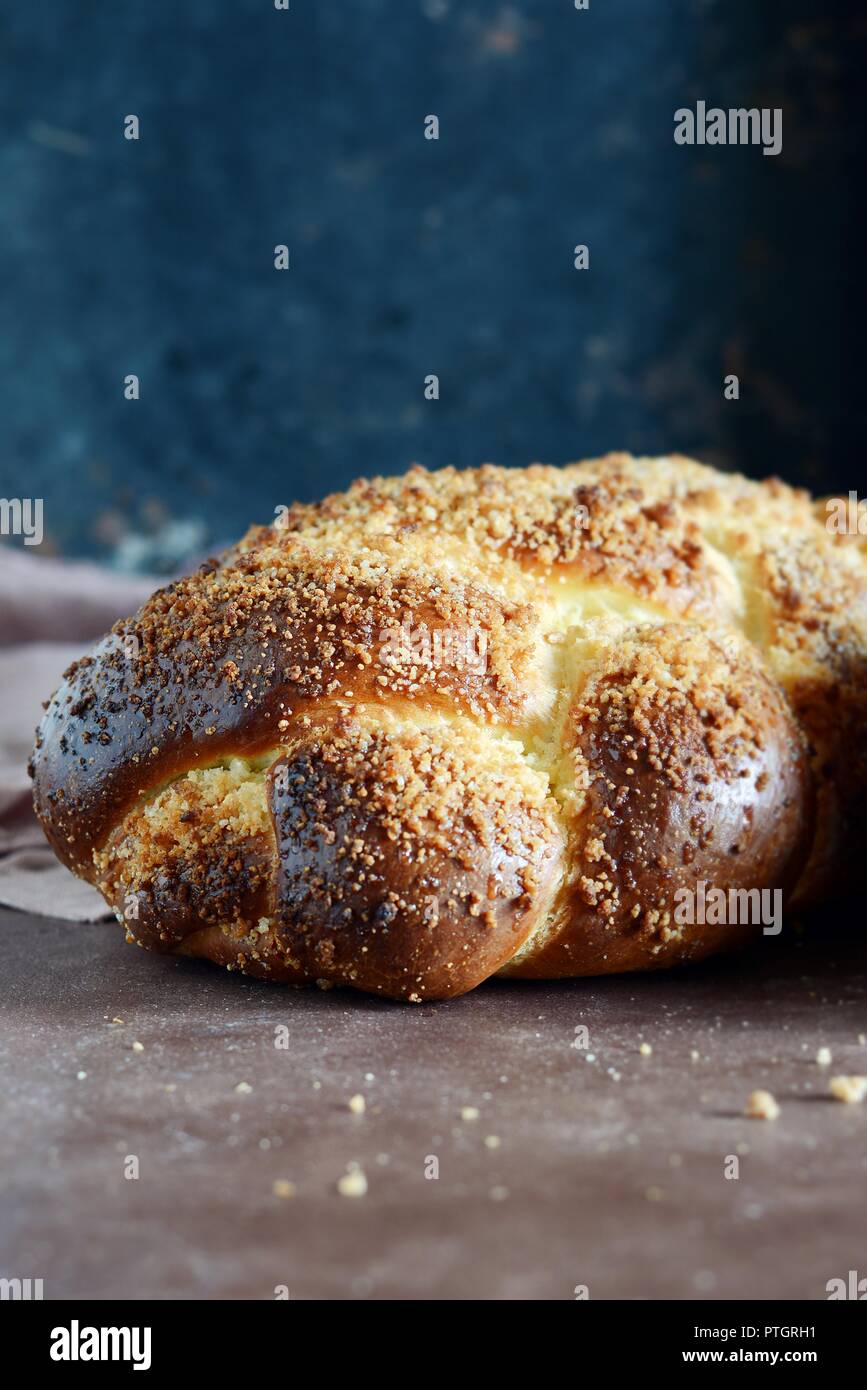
(492, 1141)
(117, 1020)
(645, 1049)
(694, 1055)
(469, 1112)
(282, 1188)
(243, 1088)
(138, 1047)
(81, 1075)
(357, 1104)
(823, 1057)
(862, 1038)
(850, 1089)
(353, 1183)
(762, 1106)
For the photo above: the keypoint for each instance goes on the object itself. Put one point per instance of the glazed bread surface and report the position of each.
(455, 724)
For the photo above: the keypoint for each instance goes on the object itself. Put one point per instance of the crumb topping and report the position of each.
(493, 689)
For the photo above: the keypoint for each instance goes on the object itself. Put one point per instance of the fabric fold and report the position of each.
(50, 614)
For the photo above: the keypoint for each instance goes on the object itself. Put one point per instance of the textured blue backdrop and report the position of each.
(410, 256)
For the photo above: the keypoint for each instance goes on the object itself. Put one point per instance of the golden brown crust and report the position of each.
(456, 723)
(682, 764)
(412, 862)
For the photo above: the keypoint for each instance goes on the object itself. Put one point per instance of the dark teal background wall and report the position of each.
(410, 256)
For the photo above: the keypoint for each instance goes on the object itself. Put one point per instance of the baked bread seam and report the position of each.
(670, 689)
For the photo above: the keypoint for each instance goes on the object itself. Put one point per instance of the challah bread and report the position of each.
(455, 724)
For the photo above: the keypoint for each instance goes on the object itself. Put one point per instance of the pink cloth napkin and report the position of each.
(50, 613)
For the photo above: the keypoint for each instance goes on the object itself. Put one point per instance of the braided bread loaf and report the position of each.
(455, 724)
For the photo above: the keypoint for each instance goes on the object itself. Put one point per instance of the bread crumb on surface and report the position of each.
(645, 1049)
(353, 1183)
(243, 1088)
(762, 1106)
(850, 1089)
(492, 1141)
(823, 1057)
(138, 1047)
(81, 1075)
(469, 1112)
(285, 1189)
(357, 1104)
